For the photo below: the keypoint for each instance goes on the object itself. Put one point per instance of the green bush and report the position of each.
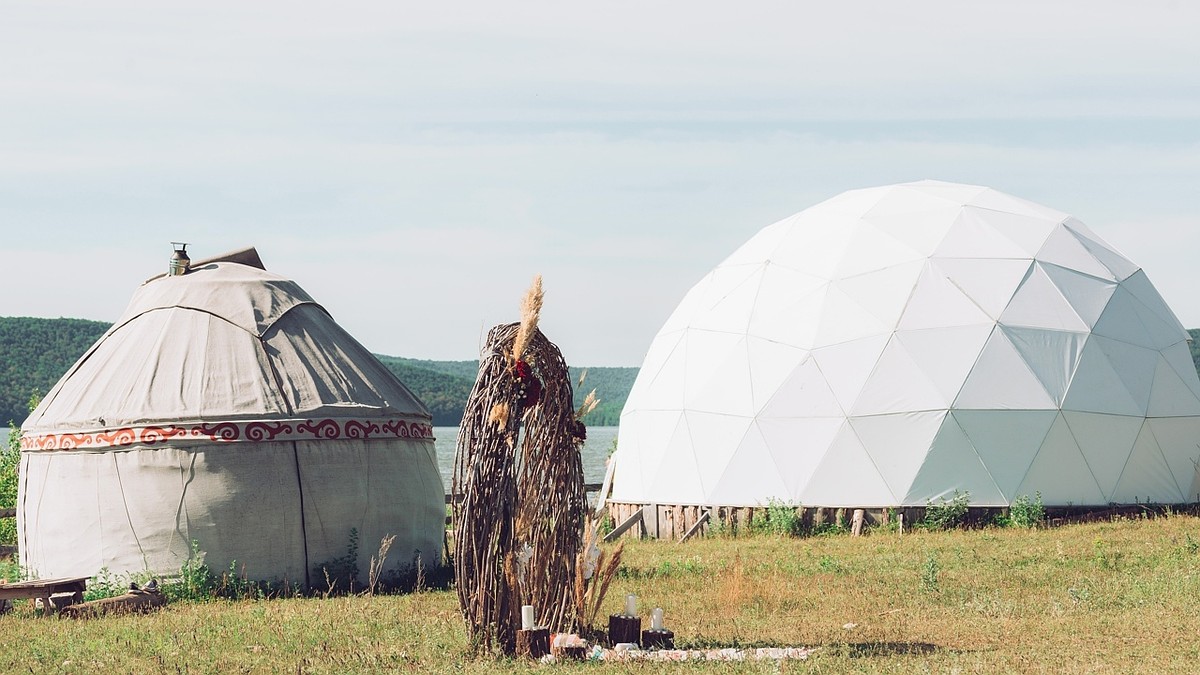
(10, 461)
(947, 514)
(778, 518)
(1026, 513)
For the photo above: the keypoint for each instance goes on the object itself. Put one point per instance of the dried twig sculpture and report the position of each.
(518, 523)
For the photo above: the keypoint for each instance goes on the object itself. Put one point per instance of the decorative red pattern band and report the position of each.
(327, 429)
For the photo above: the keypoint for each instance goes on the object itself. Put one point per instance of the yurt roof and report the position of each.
(226, 341)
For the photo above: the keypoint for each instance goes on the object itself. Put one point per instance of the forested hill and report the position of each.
(34, 353)
(445, 385)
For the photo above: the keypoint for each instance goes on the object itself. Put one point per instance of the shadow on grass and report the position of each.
(860, 650)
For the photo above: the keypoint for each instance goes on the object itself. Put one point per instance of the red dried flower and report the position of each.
(530, 386)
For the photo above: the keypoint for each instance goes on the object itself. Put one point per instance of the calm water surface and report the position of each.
(595, 451)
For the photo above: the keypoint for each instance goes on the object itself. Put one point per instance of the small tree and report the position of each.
(10, 462)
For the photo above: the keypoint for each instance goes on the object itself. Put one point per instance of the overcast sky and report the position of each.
(413, 165)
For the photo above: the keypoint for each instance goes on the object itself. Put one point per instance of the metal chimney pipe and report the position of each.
(180, 262)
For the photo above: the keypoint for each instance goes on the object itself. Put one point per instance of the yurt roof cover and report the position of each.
(226, 341)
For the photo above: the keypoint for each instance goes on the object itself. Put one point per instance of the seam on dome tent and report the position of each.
(1158, 446)
(1079, 446)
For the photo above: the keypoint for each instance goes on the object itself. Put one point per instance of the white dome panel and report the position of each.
(1087, 295)
(797, 445)
(898, 444)
(1147, 478)
(846, 463)
(1106, 442)
(953, 466)
(989, 283)
(1060, 469)
(1176, 437)
(1050, 354)
(1006, 442)
(1039, 304)
(839, 338)
(945, 355)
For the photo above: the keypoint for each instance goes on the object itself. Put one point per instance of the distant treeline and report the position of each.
(445, 385)
(34, 354)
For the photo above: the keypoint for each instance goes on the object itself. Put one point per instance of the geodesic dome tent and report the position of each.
(891, 346)
(227, 408)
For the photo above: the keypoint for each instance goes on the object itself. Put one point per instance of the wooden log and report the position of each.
(900, 523)
(533, 643)
(856, 523)
(691, 532)
(690, 515)
(650, 521)
(624, 628)
(658, 639)
(570, 653)
(133, 601)
(630, 521)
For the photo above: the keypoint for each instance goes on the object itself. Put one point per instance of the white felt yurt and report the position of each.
(891, 346)
(226, 408)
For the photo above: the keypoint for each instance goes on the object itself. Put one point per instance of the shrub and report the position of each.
(929, 574)
(778, 518)
(1026, 513)
(947, 514)
(10, 461)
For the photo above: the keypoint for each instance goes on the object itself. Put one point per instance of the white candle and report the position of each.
(631, 605)
(656, 619)
(527, 617)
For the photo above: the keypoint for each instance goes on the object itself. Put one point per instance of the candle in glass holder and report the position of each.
(528, 617)
(631, 605)
(656, 619)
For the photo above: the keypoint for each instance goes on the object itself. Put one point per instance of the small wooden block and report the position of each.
(533, 643)
(569, 653)
(624, 628)
(658, 639)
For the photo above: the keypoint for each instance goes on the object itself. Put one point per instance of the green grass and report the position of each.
(1111, 597)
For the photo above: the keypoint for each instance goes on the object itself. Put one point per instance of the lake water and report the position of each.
(595, 451)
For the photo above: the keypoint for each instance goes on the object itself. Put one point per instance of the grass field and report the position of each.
(1115, 597)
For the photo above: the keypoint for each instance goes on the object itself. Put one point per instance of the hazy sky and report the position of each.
(413, 165)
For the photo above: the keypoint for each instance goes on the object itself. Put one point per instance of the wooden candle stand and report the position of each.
(624, 628)
(574, 653)
(658, 639)
(533, 643)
